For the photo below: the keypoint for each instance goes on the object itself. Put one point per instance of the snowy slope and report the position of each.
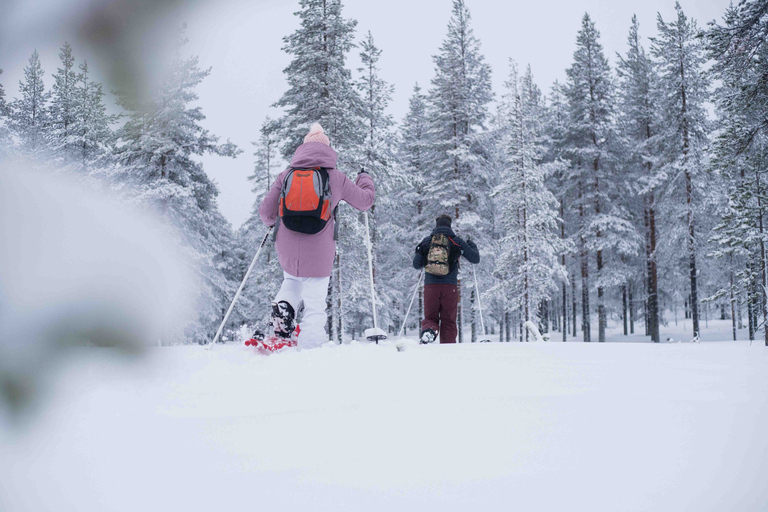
(550, 426)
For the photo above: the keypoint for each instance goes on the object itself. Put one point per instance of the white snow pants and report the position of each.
(313, 291)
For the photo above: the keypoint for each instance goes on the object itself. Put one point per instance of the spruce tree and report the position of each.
(458, 181)
(5, 136)
(320, 87)
(557, 128)
(603, 226)
(639, 126)
(528, 260)
(588, 91)
(91, 133)
(267, 276)
(740, 153)
(414, 158)
(157, 151)
(683, 88)
(378, 158)
(64, 105)
(30, 122)
(458, 109)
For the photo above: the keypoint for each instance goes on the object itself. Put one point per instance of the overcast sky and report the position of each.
(242, 40)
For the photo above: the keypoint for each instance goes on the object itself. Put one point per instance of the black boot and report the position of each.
(427, 336)
(283, 319)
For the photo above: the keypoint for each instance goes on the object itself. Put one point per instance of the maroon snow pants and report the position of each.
(440, 307)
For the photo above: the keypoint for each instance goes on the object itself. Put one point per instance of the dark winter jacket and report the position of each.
(462, 248)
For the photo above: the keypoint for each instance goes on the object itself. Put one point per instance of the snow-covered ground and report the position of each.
(514, 426)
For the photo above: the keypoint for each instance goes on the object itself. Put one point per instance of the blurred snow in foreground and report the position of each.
(76, 268)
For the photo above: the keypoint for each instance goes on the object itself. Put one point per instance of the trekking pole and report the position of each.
(479, 302)
(421, 274)
(374, 334)
(240, 289)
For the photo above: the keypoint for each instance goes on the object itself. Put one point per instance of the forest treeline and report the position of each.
(633, 191)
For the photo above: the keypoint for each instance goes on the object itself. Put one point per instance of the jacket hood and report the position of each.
(314, 154)
(444, 230)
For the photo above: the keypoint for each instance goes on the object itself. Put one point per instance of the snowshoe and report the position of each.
(273, 342)
(286, 331)
(257, 338)
(427, 336)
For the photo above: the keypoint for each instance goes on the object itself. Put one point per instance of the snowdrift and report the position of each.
(515, 426)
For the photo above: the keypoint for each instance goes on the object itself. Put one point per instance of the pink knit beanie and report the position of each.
(317, 134)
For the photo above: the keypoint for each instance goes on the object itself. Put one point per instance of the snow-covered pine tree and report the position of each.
(589, 91)
(30, 122)
(740, 153)
(267, 275)
(63, 108)
(683, 90)
(457, 181)
(378, 158)
(91, 134)
(603, 226)
(156, 150)
(557, 128)
(528, 260)
(5, 136)
(413, 155)
(320, 89)
(638, 125)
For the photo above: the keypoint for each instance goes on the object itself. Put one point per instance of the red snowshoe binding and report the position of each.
(286, 331)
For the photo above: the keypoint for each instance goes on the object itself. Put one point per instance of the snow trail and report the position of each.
(536, 426)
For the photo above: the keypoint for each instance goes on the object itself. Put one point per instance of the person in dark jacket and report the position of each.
(439, 256)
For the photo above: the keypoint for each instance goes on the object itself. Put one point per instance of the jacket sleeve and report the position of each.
(468, 250)
(268, 208)
(359, 194)
(418, 258)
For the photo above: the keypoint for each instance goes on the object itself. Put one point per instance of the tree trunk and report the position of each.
(733, 302)
(689, 203)
(653, 279)
(564, 326)
(585, 296)
(506, 325)
(624, 308)
(631, 310)
(573, 305)
(763, 276)
(751, 302)
(738, 313)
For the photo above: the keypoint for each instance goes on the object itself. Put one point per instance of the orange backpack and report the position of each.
(305, 200)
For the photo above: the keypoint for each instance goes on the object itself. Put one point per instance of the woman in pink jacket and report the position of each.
(307, 260)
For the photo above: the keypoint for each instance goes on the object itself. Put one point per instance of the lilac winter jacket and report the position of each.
(303, 255)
